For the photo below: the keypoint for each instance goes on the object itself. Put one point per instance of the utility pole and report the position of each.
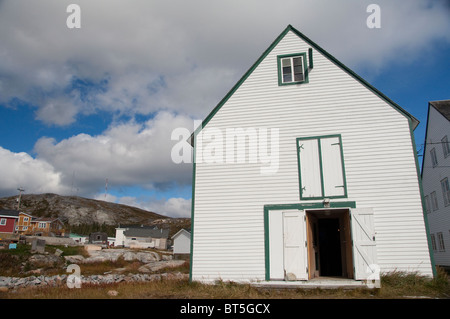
(20, 189)
(106, 188)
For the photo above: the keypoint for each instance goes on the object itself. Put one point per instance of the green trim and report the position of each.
(192, 213)
(422, 198)
(242, 80)
(356, 76)
(318, 138)
(322, 51)
(280, 68)
(426, 137)
(303, 206)
(310, 56)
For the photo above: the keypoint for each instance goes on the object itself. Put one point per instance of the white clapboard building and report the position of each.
(305, 170)
(435, 179)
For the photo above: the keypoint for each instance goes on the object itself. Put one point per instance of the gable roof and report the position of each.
(146, 232)
(9, 213)
(182, 230)
(415, 122)
(23, 213)
(442, 107)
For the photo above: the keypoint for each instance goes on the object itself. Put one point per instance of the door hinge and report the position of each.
(306, 243)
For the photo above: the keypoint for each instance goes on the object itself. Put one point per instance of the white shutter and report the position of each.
(310, 175)
(364, 244)
(295, 251)
(333, 177)
(276, 251)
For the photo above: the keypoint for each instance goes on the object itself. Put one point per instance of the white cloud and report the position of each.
(35, 175)
(185, 55)
(175, 207)
(127, 154)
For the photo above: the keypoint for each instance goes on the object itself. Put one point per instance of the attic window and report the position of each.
(292, 69)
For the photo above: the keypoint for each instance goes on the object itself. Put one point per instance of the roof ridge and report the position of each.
(289, 27)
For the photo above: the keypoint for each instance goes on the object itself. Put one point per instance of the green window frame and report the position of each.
(445, 191)
(434, 161)
(293, 68)
(434, 202)
(427, 204)
(445, 146)
(321, 168)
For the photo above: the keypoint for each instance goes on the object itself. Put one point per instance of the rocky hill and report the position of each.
(74, 210)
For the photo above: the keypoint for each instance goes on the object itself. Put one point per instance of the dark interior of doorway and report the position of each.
(330, 247)
(329, 243)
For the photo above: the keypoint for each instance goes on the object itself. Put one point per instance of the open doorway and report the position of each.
(329, 243)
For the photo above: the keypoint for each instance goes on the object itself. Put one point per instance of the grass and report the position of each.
(14, 263)
(393, 285)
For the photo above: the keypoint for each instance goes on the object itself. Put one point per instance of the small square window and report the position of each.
(3, 221)
(292, 69)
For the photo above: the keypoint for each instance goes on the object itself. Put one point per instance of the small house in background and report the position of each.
(47, 226)
(24, 225)
(98, 238)
(80, 239)
(8, 221)
(181, 244)
(140, 236)
(13, 221)
(435, 179)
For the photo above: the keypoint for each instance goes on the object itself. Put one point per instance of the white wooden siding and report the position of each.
(182, 243)
(379, 163)
(439, 220)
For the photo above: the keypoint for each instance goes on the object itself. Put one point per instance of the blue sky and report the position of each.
(79, 106)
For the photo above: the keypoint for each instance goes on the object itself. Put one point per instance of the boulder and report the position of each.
(75, 259)
(41, 260)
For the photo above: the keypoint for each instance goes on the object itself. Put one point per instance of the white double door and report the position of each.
(288, 246)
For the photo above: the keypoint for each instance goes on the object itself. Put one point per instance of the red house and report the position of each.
(8, 219)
